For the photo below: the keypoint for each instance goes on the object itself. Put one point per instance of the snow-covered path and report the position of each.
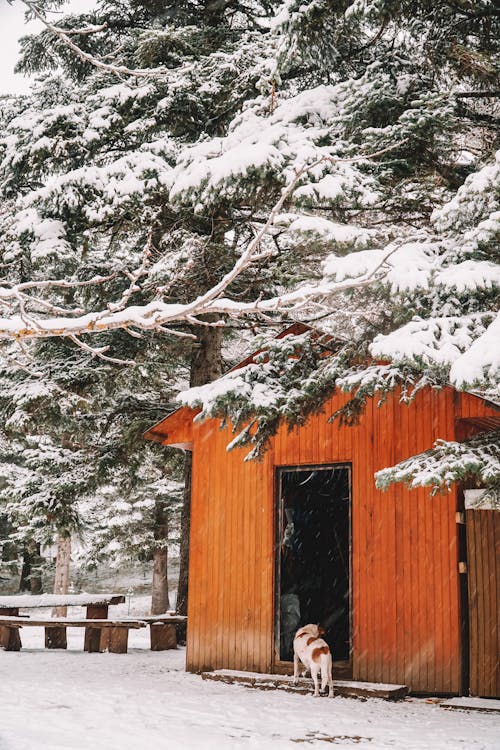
(145, 701)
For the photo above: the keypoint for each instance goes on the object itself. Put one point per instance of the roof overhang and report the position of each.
(175, 430)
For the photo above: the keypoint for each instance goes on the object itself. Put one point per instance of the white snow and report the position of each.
(477, 704)
(329, 231)
(70, 700)
(477, 197)
(482, 357)
(52, 600)
(463, 343)
(408, 266)
(482, 500)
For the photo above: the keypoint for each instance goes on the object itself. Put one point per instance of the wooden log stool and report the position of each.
(162, 630)
(163, 636)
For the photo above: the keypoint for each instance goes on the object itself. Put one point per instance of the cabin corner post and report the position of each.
(192, 626)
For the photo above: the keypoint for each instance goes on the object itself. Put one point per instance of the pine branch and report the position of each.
(157, 314)
(448, 462)
(64, 36)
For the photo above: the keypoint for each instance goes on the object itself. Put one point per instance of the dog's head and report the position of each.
(313, 630)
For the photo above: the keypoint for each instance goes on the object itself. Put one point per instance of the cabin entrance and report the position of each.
(313, 557)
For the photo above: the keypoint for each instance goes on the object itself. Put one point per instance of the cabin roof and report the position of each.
(176, 429)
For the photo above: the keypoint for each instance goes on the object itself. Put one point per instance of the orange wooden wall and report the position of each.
(405, 594)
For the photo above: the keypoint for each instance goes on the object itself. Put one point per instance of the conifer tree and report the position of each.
(164, 149)
(85, 167)
(424, 76)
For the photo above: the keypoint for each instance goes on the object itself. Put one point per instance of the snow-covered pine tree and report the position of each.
(85, 167)
(141, 159)
(423, 75)
(120, 166)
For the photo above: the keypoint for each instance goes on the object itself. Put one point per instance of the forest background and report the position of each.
(185, 179)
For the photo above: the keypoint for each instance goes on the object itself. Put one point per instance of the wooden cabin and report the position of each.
(406, 584)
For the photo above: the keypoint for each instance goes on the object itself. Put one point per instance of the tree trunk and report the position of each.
(159, 598)
(182, 591)
(36, 585)
(206, 365)
(61, 580)
(24, 583)
(31, 577)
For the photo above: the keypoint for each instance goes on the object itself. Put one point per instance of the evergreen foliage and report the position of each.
(447, 463)
(151, 186)
(423, 75)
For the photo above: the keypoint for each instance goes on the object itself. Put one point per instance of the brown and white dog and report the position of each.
(314, 653)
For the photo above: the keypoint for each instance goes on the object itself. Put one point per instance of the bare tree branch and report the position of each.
(64, 36)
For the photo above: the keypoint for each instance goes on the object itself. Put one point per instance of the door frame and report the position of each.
(286, 667)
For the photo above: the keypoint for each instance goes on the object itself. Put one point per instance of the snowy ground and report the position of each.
(142, 700)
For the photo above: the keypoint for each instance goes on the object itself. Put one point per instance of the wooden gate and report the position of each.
(483, 554)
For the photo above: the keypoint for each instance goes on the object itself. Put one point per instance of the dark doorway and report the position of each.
(313, 560)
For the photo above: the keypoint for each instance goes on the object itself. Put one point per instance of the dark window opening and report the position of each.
(313, 572)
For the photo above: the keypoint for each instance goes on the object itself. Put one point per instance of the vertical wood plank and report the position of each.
(381, 548)
(424, 439)
(213, 493)
(197, 564)
(268, 554)
(483, 549)
(448, 581)
(370, 593)
(487, 545)
(393, 669)
(496, 647)
(403, 537)
(251, 600)
(358, 513)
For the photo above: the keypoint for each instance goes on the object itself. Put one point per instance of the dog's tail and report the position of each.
(326, 673)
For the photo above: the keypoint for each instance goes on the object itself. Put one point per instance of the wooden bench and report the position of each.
(162, 630)
(116, 632)
(96, 605)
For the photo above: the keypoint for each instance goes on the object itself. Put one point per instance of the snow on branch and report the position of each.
(22, 324)
(448, 462)
(64, 35)
(465, 345)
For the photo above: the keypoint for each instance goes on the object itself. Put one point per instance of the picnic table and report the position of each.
(101, 633)
(55, 635)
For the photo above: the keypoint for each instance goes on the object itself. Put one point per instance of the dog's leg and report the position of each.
(324, 672)
(314, 675)
(295, 668)
(328, 671)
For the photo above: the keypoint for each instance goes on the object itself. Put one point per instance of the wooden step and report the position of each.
(345, 688)
(473, 704)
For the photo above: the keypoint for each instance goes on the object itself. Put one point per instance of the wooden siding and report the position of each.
(483, 552)
(231, 557)
(405, 600)
(175, 430)
(468, 406)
